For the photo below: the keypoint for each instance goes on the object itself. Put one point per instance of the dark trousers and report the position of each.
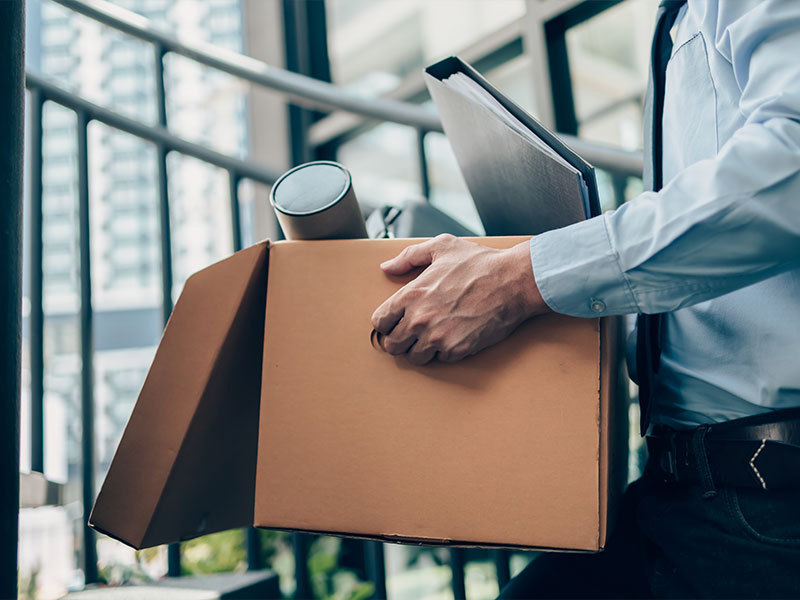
(671, 542)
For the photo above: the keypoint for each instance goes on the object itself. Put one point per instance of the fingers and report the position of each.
(419, 354)
(416, 352)
(452, 355)
(398, 344)
(387, 315)
(418, 255)
(403, 341)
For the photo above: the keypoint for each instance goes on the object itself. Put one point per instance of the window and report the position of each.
(374, 45)
(609, 56)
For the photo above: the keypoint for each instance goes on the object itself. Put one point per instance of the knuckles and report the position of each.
(437, 341)
(445, 238)
(379, 322)
(393, 346)
(386, 316)
(419, 322)
(454, 352)
(444, 241)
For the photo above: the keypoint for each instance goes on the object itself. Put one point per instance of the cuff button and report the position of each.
(597, 305)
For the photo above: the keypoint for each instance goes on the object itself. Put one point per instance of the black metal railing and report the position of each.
(43, 91)
(297, 88)
(12, 73)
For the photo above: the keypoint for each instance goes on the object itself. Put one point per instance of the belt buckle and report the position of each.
(668, 462)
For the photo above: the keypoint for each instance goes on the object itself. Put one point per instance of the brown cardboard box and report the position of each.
(322, 432)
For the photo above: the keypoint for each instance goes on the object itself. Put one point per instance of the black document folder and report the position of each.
(518, 188)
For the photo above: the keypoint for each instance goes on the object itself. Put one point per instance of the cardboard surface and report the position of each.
(501, 448)
(325, 433)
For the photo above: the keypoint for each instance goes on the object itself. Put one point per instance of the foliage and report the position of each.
(227, 551)
(215, 553)
(328, 581)
(273, 543)
(121, 574)
(27, 585)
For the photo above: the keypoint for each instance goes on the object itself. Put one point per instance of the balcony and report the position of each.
(93, 310)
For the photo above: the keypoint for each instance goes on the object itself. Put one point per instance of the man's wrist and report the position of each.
(530, 297)
(578, 273)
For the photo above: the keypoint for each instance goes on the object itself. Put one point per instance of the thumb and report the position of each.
(418, 255)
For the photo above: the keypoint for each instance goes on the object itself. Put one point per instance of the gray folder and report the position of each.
(518, 189)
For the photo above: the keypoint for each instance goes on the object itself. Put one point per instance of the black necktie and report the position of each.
(648, 334)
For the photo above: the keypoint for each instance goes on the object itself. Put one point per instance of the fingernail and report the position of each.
(384, 263)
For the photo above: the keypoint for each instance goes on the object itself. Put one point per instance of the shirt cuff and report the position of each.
(578, 273)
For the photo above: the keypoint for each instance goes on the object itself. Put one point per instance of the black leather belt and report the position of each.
(762, 451)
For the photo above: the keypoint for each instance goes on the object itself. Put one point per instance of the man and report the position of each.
(717, 251)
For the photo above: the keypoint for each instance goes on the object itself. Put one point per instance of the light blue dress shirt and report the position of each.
(718, 248)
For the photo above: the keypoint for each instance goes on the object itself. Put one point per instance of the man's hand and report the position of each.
(467, 298)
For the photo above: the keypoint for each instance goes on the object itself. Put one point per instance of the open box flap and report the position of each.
(186, 463)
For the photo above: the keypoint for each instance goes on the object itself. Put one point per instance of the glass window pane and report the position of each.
(374, 44)
(206, 106)
(126, 232)
(199, 214)
(608, 60)
(383, 164)
(449, 192)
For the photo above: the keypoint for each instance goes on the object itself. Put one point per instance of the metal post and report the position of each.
(236, 217)
(173, 550)
(560, 79)
(563, 101)
(12, 106)
(502, 567)
(298, 59)
(376, 569)
(36, 218)
(87, 354)
(166, 236)
(161, 95)
(457, 567)
(425, 184)
(619, 183)
(255, 558)
(174, 560)
(301, 543)
(163, 193)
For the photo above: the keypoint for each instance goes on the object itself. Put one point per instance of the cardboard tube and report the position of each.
(316, 201)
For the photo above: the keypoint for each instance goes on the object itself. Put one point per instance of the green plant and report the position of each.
(328, 581)
(27, 585)
(215, 553)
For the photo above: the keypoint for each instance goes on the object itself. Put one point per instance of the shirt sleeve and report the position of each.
(719, 225)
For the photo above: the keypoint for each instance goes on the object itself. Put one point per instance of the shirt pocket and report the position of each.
(690, 108)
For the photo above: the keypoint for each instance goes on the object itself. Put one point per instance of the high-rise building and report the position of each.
(117, 71)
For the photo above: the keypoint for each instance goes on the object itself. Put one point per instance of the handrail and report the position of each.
(36, 490)
(314, 93)
(152, 133)
(308, 91)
